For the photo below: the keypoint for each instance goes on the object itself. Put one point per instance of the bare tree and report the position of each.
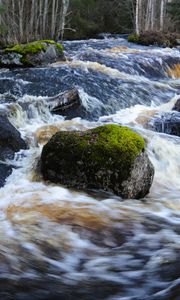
(162, 14)
(150, 15)
(27, 20)
(138, 16)
(64, 9)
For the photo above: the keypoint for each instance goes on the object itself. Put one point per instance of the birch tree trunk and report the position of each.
(162, 14)
(21, 12)
(137, 17)
(148, 15)
(33, 14)
(53, 21)
(64, 9)
(0, 14)
(153, 21)
(45, 12)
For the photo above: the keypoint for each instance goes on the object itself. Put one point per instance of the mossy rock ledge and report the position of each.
(34, 54)
(109, 157)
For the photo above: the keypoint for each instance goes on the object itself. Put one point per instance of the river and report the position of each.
(58, 243)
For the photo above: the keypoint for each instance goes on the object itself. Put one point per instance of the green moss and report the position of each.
(30, 48)
(33, 48)
(100, 158)
(109, 146)
(25, 61)
(133, 38)
(51, 42)
(114, 139)
(48, 42)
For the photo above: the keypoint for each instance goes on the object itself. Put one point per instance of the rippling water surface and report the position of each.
(58, 243)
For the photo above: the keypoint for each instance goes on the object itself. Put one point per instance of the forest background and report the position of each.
(27, 20)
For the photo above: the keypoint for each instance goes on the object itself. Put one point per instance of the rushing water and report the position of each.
(58, 243)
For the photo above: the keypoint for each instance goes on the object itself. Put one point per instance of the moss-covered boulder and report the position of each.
(109, 157)
(33, 54)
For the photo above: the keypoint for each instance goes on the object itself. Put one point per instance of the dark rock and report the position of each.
(177, 105)
(167, 123)
(38, 53)
(64, 102)
(5, 171)
(10, 137)
(10, 60)
(109, 157)
(10, 142)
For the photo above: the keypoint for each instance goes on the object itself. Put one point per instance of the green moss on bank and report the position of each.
(148, 38)
(29, 52)
(133, 38)
(33, 47)
(30, 48)
(51, 42)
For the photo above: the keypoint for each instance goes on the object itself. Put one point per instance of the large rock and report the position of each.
(38, 53)
(167, 123)
(10, 142)
(109, 157)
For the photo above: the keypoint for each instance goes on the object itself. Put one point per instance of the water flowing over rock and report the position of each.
(64, 102)
(177, 105)
(109, 157)
(10, 142)
(167, 123)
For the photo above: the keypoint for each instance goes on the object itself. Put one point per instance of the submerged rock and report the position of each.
(64, 102)
(167, 123)
(10, 142)
(33, 54)
(109, 157)
(177, 105)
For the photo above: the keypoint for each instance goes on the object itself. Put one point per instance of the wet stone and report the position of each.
(177, 105)
(167, 123)
(10, 142)
(109, 157)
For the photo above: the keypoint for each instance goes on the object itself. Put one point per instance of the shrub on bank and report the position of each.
(154, 38)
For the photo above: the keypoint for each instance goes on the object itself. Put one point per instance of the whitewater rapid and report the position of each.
(65, 244)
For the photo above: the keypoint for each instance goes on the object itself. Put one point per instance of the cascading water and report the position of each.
(63, 244)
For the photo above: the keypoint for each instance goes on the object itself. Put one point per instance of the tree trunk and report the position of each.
(64, 9)
(137, 17)
(162, 14)
(21, 15)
